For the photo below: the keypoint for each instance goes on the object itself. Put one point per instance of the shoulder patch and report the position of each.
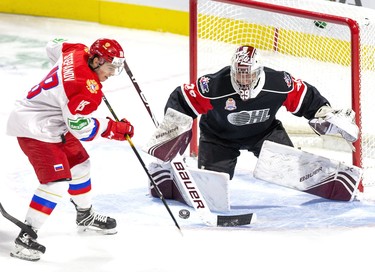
(287, 79)
(203, 84)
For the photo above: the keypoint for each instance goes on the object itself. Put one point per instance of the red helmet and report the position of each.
(107, 49)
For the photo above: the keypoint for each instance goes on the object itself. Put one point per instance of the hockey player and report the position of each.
(49, 123)
(238, 107)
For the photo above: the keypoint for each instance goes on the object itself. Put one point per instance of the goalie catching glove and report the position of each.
(328, 121)
(118, 130)
(171, 137)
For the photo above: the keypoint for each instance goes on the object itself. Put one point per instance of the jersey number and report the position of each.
(49, 82)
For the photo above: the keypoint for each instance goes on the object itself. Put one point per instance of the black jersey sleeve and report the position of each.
(312, 101)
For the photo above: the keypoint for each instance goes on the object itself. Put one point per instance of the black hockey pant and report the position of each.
(221, 156)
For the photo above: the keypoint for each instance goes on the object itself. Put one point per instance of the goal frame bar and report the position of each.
(355, 55)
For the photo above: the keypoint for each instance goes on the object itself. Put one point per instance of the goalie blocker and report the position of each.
(171, 137)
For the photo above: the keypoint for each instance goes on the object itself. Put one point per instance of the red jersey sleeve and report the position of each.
(295, 98)
(197, 102)
(82, 86)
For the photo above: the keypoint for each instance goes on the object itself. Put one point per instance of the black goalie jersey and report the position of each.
(226, 116)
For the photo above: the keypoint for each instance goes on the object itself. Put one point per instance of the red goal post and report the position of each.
(314, 34)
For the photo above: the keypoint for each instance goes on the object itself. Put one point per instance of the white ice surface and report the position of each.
(294, 231)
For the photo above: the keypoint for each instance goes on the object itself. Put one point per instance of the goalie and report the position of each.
(238, 107)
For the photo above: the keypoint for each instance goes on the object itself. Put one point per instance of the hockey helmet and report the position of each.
(108, 51)
(245, 71)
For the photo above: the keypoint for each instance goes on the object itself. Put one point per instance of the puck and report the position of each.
(184, 213)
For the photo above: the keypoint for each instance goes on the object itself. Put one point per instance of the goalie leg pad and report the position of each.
(307, 172)
(161, 174)
(214, 186)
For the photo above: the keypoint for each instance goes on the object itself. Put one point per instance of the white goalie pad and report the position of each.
(213, 187)
(171, 137)
(307, 172)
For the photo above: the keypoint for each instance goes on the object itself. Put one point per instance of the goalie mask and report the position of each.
(245, 72)
(110, 51)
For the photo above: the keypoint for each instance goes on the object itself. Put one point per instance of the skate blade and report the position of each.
(90, 229)
(23, 253)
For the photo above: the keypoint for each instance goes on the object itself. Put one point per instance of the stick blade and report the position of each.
(235, 220)
(17, 222)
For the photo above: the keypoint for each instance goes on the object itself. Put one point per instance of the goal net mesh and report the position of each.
(313, 50)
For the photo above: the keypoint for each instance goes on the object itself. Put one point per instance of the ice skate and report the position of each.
(88, 220)
(27, 248)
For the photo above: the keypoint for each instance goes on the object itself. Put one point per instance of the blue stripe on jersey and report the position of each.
(93, 132)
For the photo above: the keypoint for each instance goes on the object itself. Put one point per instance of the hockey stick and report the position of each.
(202, 208)
(140, 93)
(23, 226)
(144, 166)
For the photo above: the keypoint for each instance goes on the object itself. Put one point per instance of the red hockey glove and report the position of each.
(118, 130)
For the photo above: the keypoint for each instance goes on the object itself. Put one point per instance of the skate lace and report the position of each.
(100, 218)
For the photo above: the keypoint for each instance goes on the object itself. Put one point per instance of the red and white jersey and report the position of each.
(63, 101)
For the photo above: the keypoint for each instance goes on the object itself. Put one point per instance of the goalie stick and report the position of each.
(17, 222)
(189, 185)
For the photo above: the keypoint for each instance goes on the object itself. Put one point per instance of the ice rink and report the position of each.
(294, 231)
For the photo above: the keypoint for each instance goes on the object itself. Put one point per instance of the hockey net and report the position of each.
(327, 44)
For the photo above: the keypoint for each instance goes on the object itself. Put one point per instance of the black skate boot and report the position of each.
(87, 220)
(27, 248)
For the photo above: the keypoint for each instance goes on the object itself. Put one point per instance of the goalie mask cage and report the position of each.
(327, 44)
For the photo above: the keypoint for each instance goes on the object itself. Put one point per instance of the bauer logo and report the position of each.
(310, 175)
(166, 133)
(186, 180)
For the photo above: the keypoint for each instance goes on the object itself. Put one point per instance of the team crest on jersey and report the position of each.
(230, 104)
(203, 82)
(287, 79)
(92, 86)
